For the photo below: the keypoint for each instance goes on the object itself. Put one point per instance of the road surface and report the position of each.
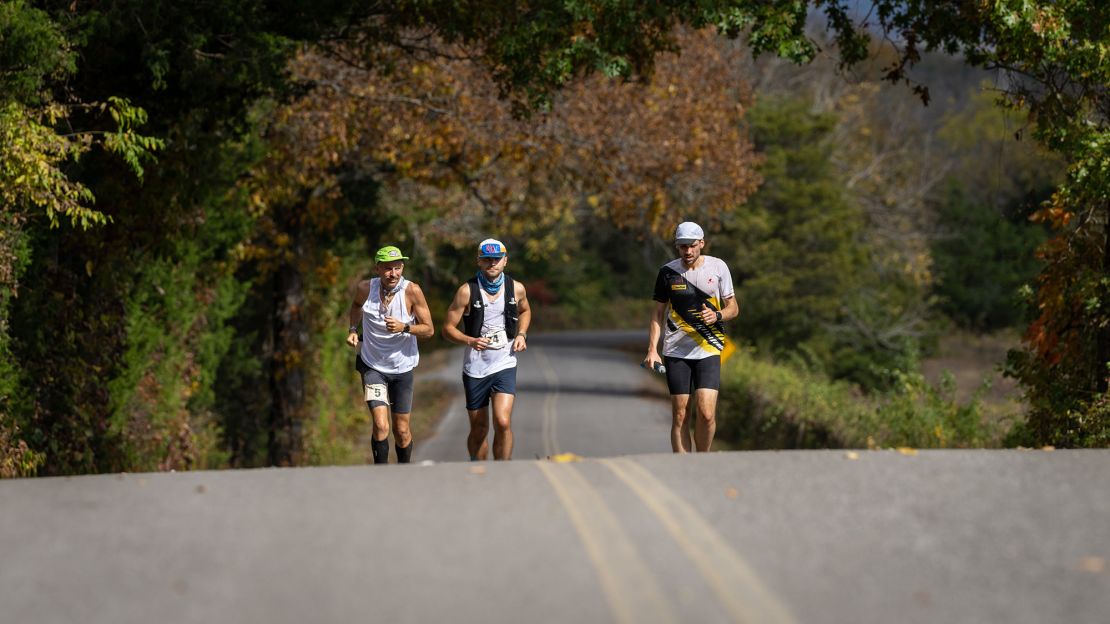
(581, 393)
(798, 536)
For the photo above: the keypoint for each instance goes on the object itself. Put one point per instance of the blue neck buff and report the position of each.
(488, 286)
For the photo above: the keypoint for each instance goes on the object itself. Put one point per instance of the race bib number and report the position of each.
(377, 392)
(498, 339)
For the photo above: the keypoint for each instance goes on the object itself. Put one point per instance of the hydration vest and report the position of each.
(472, 321)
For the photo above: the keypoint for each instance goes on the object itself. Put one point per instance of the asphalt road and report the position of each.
(798, 536)
(581, 393)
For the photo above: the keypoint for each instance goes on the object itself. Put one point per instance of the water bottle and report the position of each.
(656, 366)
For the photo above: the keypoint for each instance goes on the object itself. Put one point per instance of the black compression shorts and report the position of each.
(685, 376)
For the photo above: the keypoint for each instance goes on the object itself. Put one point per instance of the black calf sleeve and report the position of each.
(381, 450)
(404, 455)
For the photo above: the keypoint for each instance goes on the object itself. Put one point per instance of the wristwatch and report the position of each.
(523, 335)
(353, 329)
(406, 329)
(719, 315)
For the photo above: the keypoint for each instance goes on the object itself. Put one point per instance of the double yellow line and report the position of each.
(630, 588)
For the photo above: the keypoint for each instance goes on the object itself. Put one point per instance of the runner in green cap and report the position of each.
(391, 313)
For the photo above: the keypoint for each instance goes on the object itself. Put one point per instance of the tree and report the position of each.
(1053, 54)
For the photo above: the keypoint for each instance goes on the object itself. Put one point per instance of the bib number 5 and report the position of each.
(377, 392)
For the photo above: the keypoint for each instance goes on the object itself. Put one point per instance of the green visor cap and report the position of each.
(389, 254)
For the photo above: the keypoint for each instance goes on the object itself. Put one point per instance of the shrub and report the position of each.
(769, 405)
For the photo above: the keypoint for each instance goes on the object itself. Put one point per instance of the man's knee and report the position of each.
(401, 424)
(479, 423)
(501, 424)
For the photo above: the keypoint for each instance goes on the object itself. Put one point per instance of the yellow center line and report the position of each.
(633, 594)
(550, 442)
(733, 581)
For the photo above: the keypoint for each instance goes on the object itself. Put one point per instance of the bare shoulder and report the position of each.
(519, 290)
(362, 289)
(462, 296)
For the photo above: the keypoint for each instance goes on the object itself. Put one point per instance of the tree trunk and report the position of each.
(287, 374)
(1103, 348)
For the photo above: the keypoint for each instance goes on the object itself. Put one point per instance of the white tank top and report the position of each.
(490, 361)
(383, 350)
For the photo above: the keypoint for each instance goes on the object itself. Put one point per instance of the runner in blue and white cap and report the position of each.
(495, 314)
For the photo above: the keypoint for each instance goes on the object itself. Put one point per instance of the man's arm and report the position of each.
(454, 315)
(524, 317)
(354, 315)
(655, 329)
(729, 312)
(423, 328)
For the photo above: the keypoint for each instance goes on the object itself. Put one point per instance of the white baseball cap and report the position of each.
(688, 232)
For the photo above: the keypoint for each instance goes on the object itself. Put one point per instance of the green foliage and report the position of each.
(33, 52)
(804, 279)
(1054, 54)
(767, 405)
(982, 260)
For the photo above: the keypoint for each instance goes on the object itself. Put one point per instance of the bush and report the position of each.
(769, 405)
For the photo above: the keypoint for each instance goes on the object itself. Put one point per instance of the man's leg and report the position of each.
(380, 442)
(402, 438)
(400, 391)
(476, 443)
(503, 425)
(680, 433)
(705, 425)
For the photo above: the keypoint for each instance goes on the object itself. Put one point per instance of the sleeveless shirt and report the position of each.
(485, 363)
(381, 349)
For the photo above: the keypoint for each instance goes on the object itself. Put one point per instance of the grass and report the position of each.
(766, 404)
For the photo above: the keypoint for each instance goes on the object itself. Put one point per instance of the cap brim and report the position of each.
(489, 256)
(686, 241)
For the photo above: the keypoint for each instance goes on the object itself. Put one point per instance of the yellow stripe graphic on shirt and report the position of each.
(702, 341)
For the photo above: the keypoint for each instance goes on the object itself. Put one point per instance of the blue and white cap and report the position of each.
(492, 248)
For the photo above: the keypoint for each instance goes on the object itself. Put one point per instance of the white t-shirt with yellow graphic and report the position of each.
(685, 335)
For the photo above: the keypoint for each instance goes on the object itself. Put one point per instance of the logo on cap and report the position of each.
(491, 248)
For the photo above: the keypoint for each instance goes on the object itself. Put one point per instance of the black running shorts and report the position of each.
(685, 376)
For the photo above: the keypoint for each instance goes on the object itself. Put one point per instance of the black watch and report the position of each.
(406, 329)
(719, 315)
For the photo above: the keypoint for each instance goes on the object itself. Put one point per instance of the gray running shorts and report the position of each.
(398, 387)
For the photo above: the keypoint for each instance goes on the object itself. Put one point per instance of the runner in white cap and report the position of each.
(495, 314)
(391, 313)
(694, 294)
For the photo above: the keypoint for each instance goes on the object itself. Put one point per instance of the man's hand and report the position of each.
(352, 339)
(393, 325)
(708, 315)
(651, 360)
(519, 343)
(478, 344)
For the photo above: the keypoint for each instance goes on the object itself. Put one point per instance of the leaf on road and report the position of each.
(1094, 565)
(905, 450)
(564, 458)
(852, 455)
(478, 470)
(732, 492)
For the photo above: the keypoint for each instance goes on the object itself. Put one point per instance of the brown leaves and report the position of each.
(434, 129)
